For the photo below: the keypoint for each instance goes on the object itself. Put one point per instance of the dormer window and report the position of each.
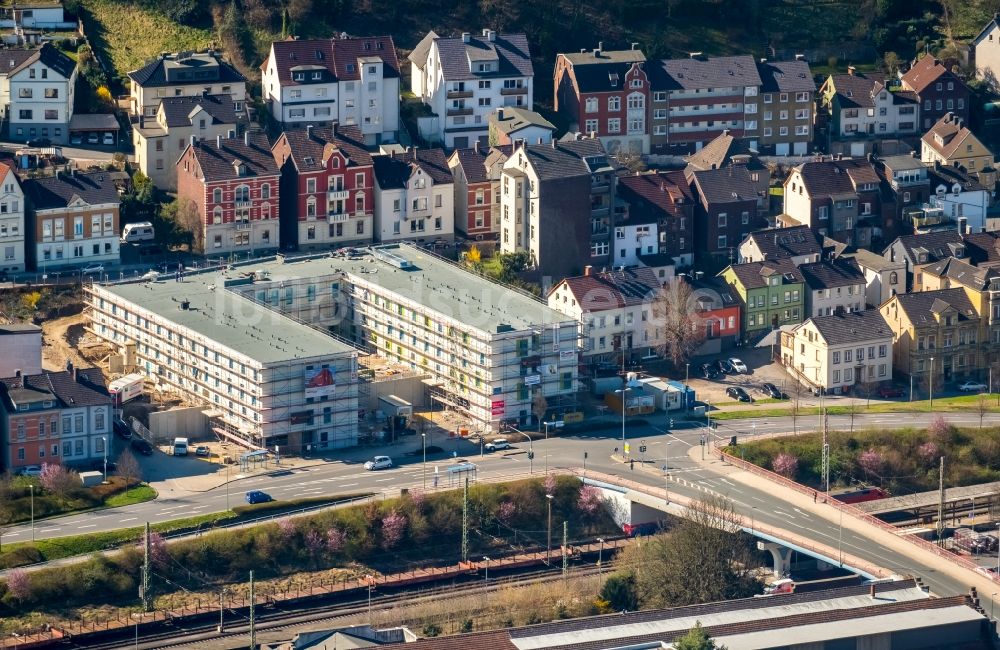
(637, 83)
(299, 76)
(350, 68)
(613, 78)
(484, 67)
(317, 76)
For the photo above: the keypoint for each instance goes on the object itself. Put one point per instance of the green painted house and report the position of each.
(773, 294)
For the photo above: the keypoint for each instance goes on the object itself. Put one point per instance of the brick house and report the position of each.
(477, 189)
(327, 187)
(728, 207)
(54, 417)
(233, 184)
(75, 219)
(720, 309)
(664, 199)
(939, 91)
(607, 93)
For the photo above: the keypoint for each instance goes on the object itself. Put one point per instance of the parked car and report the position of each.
(889, 390)
(379, 462)
(76, 138)
(39, 142)
(258, 496)
(708, 371)
(92, 269)
(122, 428)
(724, 367)
(109, 138)
(497, 445)
(202, 450)
(142, 446)
(738, 394)
(30, 470)
(93, 138)
(972, 387)
(771, 390)
(738, 366)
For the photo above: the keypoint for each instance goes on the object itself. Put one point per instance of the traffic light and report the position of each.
(671, 423)
(642, 449)
(531, 455)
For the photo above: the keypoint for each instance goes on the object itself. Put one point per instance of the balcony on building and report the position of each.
(459, 94)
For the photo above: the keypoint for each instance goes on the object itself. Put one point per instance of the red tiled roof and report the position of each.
(322, 143)
(338, 57)
(601, 291)
(219, 163)
(923, 73)
(666, 191)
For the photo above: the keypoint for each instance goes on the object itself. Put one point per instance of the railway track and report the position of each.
(281, 616)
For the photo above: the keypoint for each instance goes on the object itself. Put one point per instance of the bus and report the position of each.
(125, 389)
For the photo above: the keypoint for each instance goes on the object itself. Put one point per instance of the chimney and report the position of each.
(309, 131)
(72, 372)
(635, 45)
(598, 50)
(696, 55)
(800, 57)
(194, 139)
(466, 36)
(246, 138)
(475, 145)
(218, 142)
(500, 114)
(587, 270)
(491, 35)
(871, 591)
(851, 70)
(583, 50)
(763, 60)
(553, 143)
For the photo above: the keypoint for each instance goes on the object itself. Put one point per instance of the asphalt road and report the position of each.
(342, 477)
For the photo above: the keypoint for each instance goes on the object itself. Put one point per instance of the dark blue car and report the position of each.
(256, 496)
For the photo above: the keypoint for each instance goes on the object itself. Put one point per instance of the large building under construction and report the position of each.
(487, 350)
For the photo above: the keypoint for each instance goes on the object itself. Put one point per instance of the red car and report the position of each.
(890, 391)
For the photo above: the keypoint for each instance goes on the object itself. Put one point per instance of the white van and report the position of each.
(180, 446)
(136, 232)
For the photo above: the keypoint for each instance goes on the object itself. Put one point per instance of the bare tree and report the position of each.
(129, 468)
(630, 160)
(683, 328)
(539, 406)
(982, 407)
(868, 386)
(58, 480)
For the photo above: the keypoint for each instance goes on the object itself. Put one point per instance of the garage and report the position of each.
(94, 130)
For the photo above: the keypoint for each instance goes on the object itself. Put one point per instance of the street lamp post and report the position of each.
(930, 383)
(840, 539)
(31, 488)
(753, 518)
(548, 543)
(600, 556)
(423, 440)
(104, 439)
(486, 577)
(622, 392)
(531, 450)
(993, 602)
(687, 376)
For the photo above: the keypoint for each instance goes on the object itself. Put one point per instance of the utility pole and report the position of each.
(565, 548)
(940, 521)
(465, 521)
(253, 605)
(826, 456)
(146, 601)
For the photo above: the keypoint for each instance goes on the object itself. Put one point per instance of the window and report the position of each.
(614, 103)
(614, 125)
(590, 126)
(265, 191)
(24, 114)
(591, 106)
(721, 243)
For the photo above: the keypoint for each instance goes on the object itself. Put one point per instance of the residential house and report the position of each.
(556, 204)
(957, 200)
(233, 184)
(861, 109)
(906, 178)
(801, 244)
(20, 349)
(939, 91)
(953, 272)
(986, 54)
(37, 89)
(719, 309)
(617, 311)
(54, 417)
(773, 294)
(36, 16)
(187, 74)
(161, 139)
(883, 278)
(836, 353)
(787, 95)
(75, 220)
(726, 150)
(414, 197)
(509, 124)
(606, 93)
(353, 81)
(939, 336)
(13, 227)
(729, 206)
(327, 187)
(840, 199)
(463, 79)
(700, 97)
(477, 171)
(951, 143)
(916, 250)
(665, 202)
(982, 248)
(833, 287)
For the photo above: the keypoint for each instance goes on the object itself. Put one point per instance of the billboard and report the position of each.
(319, 382)
(497, 407)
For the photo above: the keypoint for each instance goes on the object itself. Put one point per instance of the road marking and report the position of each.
(380, 480)
(48, 530)
(347, 485)
(727, 482)
(87, 526)
(801, 513)
(129, 519)
(13, 534)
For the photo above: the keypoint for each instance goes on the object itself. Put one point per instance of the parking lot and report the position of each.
(760, 370)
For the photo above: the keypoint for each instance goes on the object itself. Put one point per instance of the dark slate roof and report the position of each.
(322, 142)
(844, 328)
(623, 288)
(153, 73)
(392, 172)
(709, 72)
(777, 243)
(983, 247)
(920, 306)
(948, 175)
(177, 110)
(567, 157)
(219, 163)
(753, 275)
(510, 51)
(52, 192)
(660, 192)
(473, 163)
(338, 57)
(15, 59)
(836, 177)
(830, 274)
(961, 272)
(786, 77)
(603, 73)
(937, 244)
(88, 390)
(712, 293)
(856, 90)
(727, 185)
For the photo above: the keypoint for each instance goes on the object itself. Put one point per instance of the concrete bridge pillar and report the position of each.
(782, 557)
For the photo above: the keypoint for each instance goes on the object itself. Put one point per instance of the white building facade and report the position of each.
(12, 225)
(37, 92)
(414, 197)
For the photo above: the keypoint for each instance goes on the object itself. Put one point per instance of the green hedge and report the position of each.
(16, 505)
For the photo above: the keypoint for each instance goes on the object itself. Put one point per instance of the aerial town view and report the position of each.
(573, 325)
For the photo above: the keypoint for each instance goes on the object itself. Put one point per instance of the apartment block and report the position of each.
(187, 74)
(951, 143)
(861, 110)
(13, 226)
(787, 98)
(37, 90)
(414, 196)
(772, 292)
(833, 287)
(659, 213)
(487, 350)
(463, 79)
(269, 381)
(729, 205)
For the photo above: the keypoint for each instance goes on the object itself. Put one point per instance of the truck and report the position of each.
(180, 446)
(125, 389)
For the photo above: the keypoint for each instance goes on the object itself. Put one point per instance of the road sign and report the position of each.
(642, 449)
(626, 449)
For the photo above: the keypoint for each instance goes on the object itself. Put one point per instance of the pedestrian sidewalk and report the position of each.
(818, 507)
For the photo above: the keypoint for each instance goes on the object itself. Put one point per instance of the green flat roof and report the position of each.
(229, 319)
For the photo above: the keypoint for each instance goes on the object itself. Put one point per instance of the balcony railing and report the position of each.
(336, 195)
(453, 112)
(242, 225)
(459, 94)
(241, 204)
(514, 91)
